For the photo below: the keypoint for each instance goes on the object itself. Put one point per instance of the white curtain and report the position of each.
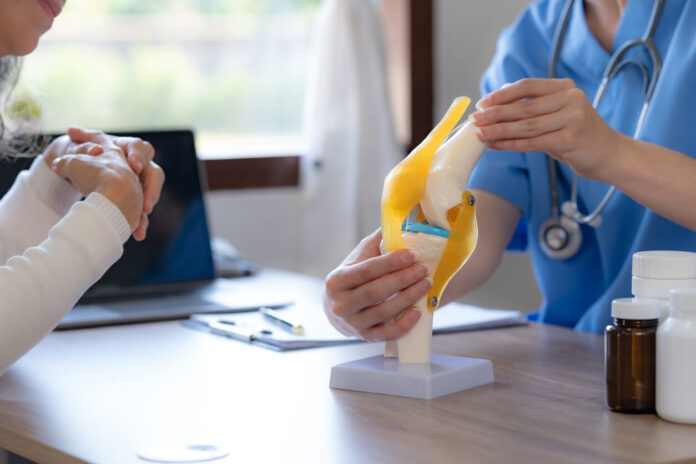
(349, 134)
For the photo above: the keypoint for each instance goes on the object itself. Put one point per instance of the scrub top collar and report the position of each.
(580, 49)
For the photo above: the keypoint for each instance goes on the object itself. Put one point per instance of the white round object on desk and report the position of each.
(182, 452)
(675, 376)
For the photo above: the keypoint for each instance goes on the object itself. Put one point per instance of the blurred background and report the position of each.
(299, 106)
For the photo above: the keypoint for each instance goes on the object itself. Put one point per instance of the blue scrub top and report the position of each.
(578, 291)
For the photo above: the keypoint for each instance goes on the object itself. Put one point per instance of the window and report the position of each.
(234, 70)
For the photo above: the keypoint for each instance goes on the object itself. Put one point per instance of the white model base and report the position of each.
(441, 376)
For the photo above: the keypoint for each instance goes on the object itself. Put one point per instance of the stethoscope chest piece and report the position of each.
(560, 238)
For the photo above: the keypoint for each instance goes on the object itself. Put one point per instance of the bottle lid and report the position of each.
(635, 308)
(683, 300)
(664, 265)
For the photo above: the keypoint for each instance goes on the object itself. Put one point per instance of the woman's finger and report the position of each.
(63, 166)
(152, 178)
(525, 88)
(389, 309)
(88, 148)
(81, 135)
(140, 231)
(138, 152)
(521, 109)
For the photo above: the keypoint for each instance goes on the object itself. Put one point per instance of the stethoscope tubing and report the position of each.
(615, 64)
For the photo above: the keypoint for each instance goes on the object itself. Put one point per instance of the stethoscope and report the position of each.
(560, 236)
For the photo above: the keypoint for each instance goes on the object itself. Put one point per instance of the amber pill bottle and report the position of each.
(629, 355)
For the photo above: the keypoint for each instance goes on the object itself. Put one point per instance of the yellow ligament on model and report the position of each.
(403, 190)
(460, 245)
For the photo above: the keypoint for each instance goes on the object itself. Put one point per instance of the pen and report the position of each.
(281, 321)
(232, 330)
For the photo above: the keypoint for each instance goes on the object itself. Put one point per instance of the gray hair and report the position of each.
(9, 72)
(14, 143)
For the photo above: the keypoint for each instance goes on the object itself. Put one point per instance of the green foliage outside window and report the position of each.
(234, 67)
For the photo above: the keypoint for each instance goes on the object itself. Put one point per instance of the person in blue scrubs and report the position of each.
(524, 115)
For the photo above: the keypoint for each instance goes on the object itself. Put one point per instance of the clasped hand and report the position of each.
(549, 115)
(120, 168)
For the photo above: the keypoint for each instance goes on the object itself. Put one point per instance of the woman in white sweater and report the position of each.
(54, 245)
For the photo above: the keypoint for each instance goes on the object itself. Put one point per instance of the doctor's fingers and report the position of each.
(526, 128)
(354, 276)
(367, 248)
(525, 88)
(393, 330)
(521, 109)
(557, 144)
(378, 290)
(391, 308)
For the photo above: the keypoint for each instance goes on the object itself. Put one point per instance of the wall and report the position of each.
(264, 224)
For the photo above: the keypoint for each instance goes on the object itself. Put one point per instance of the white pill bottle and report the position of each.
(675, 373)
(656, 273)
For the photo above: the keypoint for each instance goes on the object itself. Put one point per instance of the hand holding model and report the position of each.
(368, 289)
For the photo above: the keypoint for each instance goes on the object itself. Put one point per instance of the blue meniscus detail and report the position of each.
(425, 228)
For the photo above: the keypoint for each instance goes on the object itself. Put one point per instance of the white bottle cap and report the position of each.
(635, 308)
(664, 265)
(683, 301)
(658, 288)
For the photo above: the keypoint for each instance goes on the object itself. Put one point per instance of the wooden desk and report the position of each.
(99, 395)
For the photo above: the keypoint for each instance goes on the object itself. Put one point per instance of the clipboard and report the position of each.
(254, 328)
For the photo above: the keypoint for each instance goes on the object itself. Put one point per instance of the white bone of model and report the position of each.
(447, 180)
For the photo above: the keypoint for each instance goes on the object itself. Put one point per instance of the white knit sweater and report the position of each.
(54, 248)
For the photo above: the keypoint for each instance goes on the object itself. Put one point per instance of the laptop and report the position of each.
(171, 274)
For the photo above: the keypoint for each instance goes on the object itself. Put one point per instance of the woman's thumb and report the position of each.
(67, 166)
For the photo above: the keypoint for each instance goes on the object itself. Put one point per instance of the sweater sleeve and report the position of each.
(40, 286)
(35, 203)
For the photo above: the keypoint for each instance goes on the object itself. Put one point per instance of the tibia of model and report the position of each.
(449, 174)
(414, 347)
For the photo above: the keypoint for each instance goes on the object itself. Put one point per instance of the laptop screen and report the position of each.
(177, 247)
